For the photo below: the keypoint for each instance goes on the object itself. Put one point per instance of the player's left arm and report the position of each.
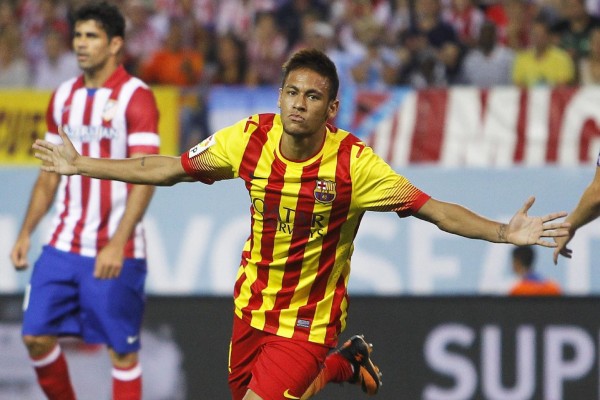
(142, 121)
(109, 261)
(522, 229)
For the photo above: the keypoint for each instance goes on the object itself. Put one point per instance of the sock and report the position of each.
(127, 383)
(336, 369)
(53, 375)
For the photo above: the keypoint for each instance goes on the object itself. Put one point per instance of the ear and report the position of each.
(332, 111)
(279, 98)
(115, 45)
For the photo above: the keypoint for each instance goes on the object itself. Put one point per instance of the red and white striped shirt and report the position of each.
(114, 121)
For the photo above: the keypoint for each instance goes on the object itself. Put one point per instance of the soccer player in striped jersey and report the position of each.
(309, 184)
(89, 279)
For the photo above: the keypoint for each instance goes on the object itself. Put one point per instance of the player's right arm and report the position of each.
(150, 170)
(587, 210)
(42, 196)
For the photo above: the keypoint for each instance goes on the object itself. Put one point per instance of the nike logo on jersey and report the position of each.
(132, 339)
(287, 395)
(252, 176)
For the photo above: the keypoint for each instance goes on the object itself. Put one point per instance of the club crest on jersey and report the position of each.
(201, 147)
(325, 191)
(110, 110)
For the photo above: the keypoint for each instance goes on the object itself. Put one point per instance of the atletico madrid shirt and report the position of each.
(295, 265)
(114, 121)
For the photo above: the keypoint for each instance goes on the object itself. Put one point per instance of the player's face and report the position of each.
(92, 47)
(305, 104)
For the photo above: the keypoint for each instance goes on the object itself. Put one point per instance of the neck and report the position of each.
(300, 148)
(97, 78)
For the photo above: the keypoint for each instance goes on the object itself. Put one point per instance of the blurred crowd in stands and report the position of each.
(376, 44)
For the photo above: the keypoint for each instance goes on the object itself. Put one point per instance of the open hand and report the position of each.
(57, 158)
(561, 247)
(525, 230)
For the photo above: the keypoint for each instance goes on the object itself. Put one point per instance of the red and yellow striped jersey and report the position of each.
(295, 265)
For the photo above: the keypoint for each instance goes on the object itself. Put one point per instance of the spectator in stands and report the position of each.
(548, 9)
(466, 19)
(58, 64)
(420, 67)
(530, 283)
(38, 17)
(356, 21)
(173, 63)
(490, 63)
(321, 35)
(574, 29)
(194, 16)
(513, 19)
(309, 20)
(543, 63)
(400, 17)
(441, 37)
(203, 12)
(589, 66)
(266, 51)
(14, 69)
(238, 16)
(8, 16)
(230, 67)
(144, 35)
(377, 68)
(289, 16)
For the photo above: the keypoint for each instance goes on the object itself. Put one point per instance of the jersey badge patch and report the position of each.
(110, 110)
(201, 147)
(303, 323)
(325, 191)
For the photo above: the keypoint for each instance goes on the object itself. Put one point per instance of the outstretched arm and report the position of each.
(151, 170)
(587, 210)
(521, 230)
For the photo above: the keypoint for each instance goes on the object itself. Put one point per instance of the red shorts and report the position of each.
(274, 367)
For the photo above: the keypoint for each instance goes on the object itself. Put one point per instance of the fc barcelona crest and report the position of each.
(325, 191)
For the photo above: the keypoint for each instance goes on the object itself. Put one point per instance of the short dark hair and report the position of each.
(317, 61)
(525, 255)
(106, 14)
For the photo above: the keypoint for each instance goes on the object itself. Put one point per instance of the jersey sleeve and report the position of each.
(377, 187)
(218, 157)
(142, 123)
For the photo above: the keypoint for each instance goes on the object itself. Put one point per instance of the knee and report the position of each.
(38, 346)
(126, 360)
